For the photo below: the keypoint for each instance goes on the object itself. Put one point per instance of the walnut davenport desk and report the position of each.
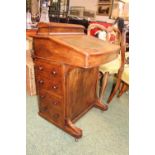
(66, 73)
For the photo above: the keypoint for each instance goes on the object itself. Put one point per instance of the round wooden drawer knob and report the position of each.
(42, 96)
(40, 68)
(55, 103)
(54, 72)
(41, 81)
(55, 87)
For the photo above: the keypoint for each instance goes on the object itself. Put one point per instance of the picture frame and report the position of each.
(104, 9)
(76, 11)
(89, 14)
(105, 1)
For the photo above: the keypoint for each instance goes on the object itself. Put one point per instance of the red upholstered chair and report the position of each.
(122, 81)
(116, 66)
(104, 24)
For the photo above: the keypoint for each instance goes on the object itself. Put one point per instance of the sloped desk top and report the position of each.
(77, 50)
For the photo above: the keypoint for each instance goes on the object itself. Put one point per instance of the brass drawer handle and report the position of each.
(55, 116)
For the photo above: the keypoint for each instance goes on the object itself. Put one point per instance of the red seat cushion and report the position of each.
(106, 25)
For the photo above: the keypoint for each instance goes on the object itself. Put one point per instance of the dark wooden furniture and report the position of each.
(66, 72)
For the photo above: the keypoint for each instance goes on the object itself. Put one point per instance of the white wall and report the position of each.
(92, 5)
(88, 4)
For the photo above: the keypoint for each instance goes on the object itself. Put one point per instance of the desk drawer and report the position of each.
(52, 107)
(54, 86)
(48, 70)
(54, 102)
(55, 115)
(49, 76)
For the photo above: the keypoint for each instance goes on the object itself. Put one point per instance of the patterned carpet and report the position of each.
(104, 133)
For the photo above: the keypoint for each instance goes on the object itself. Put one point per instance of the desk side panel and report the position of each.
(81, 91)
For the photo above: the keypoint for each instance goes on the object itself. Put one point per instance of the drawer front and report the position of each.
(53, 101)
(51, 107)
(54, 86)
(50, 71)
(55, 115)
(49, 77)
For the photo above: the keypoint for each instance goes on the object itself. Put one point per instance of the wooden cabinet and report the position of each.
(66, 71)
